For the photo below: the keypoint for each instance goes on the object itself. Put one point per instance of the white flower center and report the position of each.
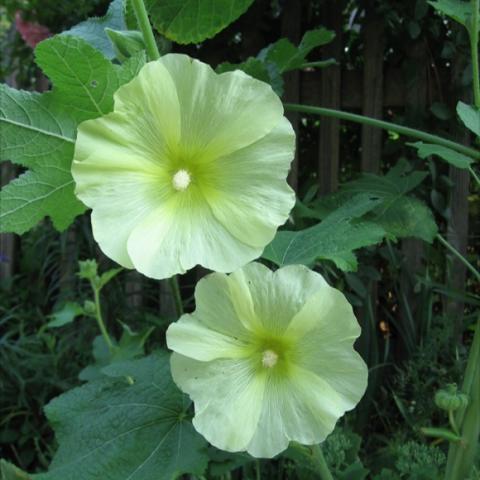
(181, 180)
(269, 358)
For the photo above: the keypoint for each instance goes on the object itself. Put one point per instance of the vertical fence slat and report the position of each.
(457, 227)
(330, 96)
(372, 89)
(292, 28)
(416, 104)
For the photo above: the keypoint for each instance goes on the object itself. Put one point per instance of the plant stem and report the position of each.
(98, 316)
(176, 295)
(394, 127)
(455, 252)
(258, 471)
(473, 33)
(146, 29)
(461, 455)
(474, 175)
(320, 63)
(322, 467)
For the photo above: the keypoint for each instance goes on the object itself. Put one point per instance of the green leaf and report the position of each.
(38, 131)
(280, 57)
(11, 472)
(288, 57)
(133, 425)
(456, 159)
(400, 215)
(126, 42)
(455, 9)
(256, 68)
(192, 21)
(65, 315)
(83, 78)
(93, 29)
(333, 239)
(130, 346)
(105, 277)
(470, 116)
(408, 217)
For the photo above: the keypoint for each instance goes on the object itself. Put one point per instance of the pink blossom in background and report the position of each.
(31, 32)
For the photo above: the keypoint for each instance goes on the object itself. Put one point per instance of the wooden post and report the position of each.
(457, 227)
(412, 248)
(373, 33)
(330, 94)
(291, 29)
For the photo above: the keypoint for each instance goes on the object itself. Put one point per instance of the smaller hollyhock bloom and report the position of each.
(267, 358)
(190, 168)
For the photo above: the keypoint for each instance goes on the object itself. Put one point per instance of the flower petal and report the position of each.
(182, 233)
(188, 336)
(221, 113)
(228, 399)
(221, 305)
(303, 408)
(247, 189)
(120, 165)
(278, 296)
(326, 329)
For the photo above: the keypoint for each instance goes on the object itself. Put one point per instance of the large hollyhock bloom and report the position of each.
(190, 168)
(267, 358)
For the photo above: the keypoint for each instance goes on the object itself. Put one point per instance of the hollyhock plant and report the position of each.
(190, 168)
(267, 358)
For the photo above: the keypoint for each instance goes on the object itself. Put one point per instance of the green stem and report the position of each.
(258, 471)
(322, 467)
(453, 423)
(320, 63)
(474, 175)
(461, 455)
(146, 29)
(98, 316)
(400, 129)
(177, 297)
(455, 252)
(473, 32)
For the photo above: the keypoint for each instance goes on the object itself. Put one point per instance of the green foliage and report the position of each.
(65, 315)
(131, 345)
(93, 29)
(400, 215)
(280, 57)
(458, 10)
(40, 132)
(470, 117)
(334, 238)
(38, 135)
(191, 21)
(454, 158)
(126, 43)
(132, 425)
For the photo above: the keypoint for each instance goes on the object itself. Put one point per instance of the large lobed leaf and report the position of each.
(190, 21)
(335, 238)
(93, 29)
(132, 426)
(398, 214)
(38, 131)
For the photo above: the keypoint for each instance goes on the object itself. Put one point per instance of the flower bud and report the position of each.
(125, 42)
(88, 269)
(89, 308)
(450, 399)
